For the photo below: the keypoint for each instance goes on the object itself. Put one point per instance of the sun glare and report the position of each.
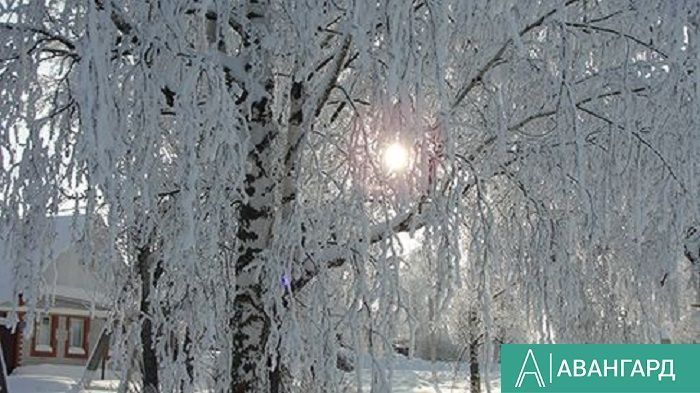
(395, 157)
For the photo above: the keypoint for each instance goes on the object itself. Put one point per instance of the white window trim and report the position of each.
(43, 348)
(76, 351)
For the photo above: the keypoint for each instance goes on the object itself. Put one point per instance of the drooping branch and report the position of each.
(497, 58)
(334, 255)
(43, 32)
(608, 30)
(643, 141)
(552, 112)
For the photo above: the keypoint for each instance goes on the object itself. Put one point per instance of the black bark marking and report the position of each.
(260, 114)
(249, 213)
(169, 96)
(297, 117)
(247, 235)
(247, 257)
(296, 91)
(266, 141)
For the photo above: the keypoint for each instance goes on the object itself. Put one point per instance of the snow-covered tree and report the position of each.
(425, 329)
(245, 152)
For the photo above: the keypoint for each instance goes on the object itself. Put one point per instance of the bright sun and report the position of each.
(395, 157)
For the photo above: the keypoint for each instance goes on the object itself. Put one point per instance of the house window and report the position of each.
(77, 340)
(44, 340)
(43, 335)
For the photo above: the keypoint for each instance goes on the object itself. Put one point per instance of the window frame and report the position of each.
(53, 327)
(85, 338)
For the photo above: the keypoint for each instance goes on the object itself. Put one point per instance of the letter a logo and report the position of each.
(536, 373)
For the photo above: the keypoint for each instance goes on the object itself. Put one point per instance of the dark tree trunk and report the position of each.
(149, 359)
(474, 375)
(7, 342)
(3, 367)
(189, 360)
(100, 352)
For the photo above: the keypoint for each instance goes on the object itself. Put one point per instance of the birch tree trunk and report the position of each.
(250, 324)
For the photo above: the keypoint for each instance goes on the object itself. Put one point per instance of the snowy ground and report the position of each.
(53, 379)
(410, 376)
(420, 376)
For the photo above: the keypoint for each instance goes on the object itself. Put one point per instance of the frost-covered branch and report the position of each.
(270, 153)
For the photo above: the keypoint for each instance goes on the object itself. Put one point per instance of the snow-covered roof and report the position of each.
(64, 275)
